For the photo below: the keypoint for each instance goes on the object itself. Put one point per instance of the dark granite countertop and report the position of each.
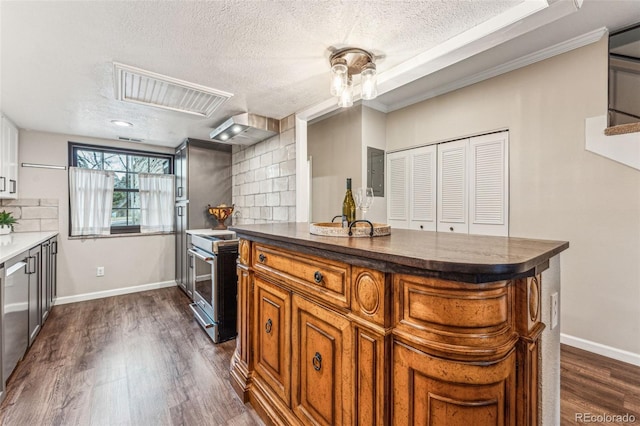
(471, 258)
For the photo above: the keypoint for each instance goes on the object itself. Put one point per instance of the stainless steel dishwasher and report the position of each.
(15, 320)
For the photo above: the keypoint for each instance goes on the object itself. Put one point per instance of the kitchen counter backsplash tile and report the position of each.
(264, 178)
(32, 214)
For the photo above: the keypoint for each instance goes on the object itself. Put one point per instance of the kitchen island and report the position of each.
(411, 328)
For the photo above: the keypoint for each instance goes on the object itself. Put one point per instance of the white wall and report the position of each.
(335, 146)
(374, 134)
(558, 189)
(128, 261)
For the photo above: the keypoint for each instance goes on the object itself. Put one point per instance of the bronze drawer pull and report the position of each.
(317, 277)
(268, 325)
(262, 258)
(317, 361)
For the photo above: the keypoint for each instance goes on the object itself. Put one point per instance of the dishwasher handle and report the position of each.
(15, 268)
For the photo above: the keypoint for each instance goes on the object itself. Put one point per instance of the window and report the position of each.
(126, 164)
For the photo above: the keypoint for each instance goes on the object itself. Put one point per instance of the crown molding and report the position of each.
(523, 61)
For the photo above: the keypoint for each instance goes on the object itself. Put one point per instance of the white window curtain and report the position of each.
(156, 202)
(91, 198)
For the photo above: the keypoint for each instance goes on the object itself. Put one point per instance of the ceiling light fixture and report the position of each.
(122, 123)
(347, 62)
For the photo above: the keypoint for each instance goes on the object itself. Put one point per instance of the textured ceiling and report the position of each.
(57, 72)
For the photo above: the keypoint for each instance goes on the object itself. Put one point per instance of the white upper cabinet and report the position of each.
(8, 159)
(459, 186)
(452, 187)
(489, 184)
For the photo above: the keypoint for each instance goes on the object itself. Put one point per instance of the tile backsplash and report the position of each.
(264, 178)
(32, 214)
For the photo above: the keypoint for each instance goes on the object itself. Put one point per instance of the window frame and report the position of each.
(74, 147)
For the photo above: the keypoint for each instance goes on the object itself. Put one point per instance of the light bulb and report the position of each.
(339, 76)
(368, 82)
(346, 97)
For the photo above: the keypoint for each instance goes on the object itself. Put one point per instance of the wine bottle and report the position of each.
(348, 205)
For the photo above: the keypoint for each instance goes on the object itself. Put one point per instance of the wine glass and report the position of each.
(364, 199)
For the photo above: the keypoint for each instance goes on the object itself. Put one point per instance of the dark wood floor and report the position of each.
(141, 359)
(138, 359)
(594, 385)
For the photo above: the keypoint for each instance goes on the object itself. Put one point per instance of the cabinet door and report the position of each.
(182, 263)
(272, 343)
(5, 136)
(452, 187)
(398, 189)
(423, 188)
(12, 162)
(432, 391)
(322, 364)
(45, 281)
(489, 184)
(180, 170)
(53, 271)
(190, 284)
(34, 293)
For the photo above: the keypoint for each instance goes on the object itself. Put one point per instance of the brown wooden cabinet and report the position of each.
(337, 338)
(321, 364)
(272, 337)
(430, 390)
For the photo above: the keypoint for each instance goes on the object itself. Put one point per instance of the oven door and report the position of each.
(203, 276)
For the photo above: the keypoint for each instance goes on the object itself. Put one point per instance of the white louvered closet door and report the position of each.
(398, 189)
(452, 187)
(423, 188)
(489, 184)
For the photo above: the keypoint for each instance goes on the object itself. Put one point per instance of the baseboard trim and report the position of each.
(115, 292)
(600, 349)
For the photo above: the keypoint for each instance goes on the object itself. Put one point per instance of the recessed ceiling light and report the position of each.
(122, 123)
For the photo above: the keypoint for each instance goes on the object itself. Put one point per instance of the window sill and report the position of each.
(137, 234)
(622, 129)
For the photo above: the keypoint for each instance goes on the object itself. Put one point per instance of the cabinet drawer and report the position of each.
(329, 280)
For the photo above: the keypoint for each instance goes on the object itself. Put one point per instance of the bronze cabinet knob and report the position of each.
(317, 361)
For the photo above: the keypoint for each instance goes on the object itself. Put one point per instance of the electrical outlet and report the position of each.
(100, 271)
(554, 310)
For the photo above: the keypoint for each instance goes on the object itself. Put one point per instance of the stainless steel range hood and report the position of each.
(246, 129)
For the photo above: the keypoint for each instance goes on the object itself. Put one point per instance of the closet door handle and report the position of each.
(14, 186)
(4, 183)
(268, 325)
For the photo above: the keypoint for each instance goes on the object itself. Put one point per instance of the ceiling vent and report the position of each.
(124, 138)
(142, 87)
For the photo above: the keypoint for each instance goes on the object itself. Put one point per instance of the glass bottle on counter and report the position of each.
(348, 206)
